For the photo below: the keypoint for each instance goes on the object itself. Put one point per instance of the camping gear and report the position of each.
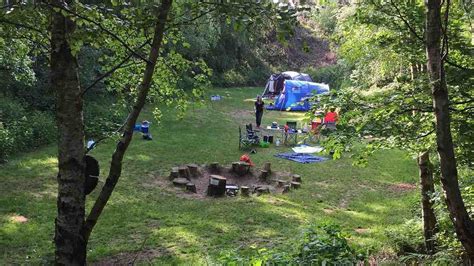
(92, 174)
(145, 126)
(301, 157)
(264, 144)
(245, 158)
(296, 94)
(231, 190)
(268, 138)
(274, 125)
(275, 82)
(246, 140)
(216, 98)
(90, 144)
(307, 149)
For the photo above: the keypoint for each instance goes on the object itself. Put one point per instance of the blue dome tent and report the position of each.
(296, 94)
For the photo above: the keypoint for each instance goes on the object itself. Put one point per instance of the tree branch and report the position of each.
(451, 63)
(188, 22)
(445, 46)
(111, 71)
(102, 28)
(117, 157)
(412, 30)
(21, 25)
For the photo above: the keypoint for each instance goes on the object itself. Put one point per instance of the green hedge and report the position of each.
(23, 130)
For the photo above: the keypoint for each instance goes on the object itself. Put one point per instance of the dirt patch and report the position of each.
(361, 230)
(241, 114)
(18, 219)
(250, 180)
(402, 187)
(130, 258)
(328, 211)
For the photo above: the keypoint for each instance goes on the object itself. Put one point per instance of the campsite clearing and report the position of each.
(147, 223)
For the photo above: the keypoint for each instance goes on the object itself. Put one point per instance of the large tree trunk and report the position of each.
(122, 145)
(70, 244)
(463, 225)
(427, 189)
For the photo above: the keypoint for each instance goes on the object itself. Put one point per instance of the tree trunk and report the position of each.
(122, 145)
(463, 225)
(427, 189)
(70, 244)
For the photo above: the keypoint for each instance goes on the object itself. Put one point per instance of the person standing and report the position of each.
(259, 104)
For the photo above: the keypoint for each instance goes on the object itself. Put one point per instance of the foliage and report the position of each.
(334, 75)
(319, 244)
(326, 243)
(22, 129)
(102, 118)
(408, 237)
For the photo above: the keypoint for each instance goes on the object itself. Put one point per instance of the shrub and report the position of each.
(318, 246)
(21, 130)
(43, 127)
(408, 238)
(102, 118)
(334, 75)
(326, 243)
(233, 78)
(6, 143)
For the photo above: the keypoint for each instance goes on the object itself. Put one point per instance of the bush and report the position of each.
(326, 18)
(6, 143)
(318, 246)
(21, 130)
(408, 238)
(334, 75)
(102, 118)
(44, 128)
(326, 243)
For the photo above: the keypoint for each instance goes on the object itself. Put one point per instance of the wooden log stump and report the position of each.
(286, 188)
(262, 190)
(191, 187)
(295, 185)
(240, 168)
(184, 172)
(296, 178)
(180, 181)
(281, 183)
(214, 168)
(174, 173)
(216, 187)
(268, 166)
(245, 191)
(264, 174)
(234, 166)
(193, 170)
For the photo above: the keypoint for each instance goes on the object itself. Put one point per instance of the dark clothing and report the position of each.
(259, 112)
(258, 116)
(259, 106)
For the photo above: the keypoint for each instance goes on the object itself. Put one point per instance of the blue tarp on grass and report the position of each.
(301, 157)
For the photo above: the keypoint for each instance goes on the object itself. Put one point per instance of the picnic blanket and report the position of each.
(301, 157)
(307, 149)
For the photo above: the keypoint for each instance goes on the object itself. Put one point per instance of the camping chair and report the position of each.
(246, 140)
(292, 133)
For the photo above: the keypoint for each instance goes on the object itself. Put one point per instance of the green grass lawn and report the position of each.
(170, 229)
